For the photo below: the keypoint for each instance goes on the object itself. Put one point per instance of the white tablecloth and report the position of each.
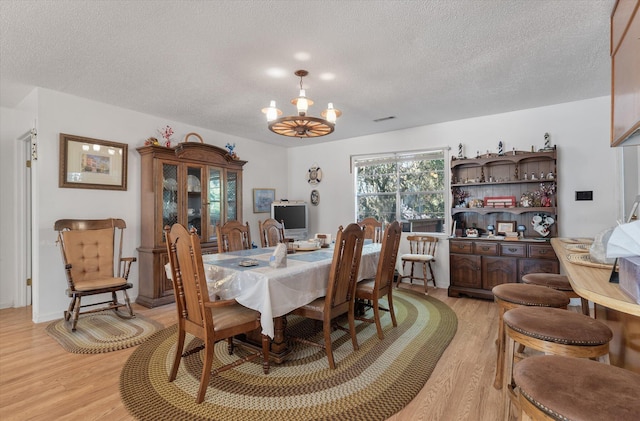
(275, 292)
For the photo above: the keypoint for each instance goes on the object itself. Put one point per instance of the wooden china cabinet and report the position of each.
(194, 184)
(496, 184)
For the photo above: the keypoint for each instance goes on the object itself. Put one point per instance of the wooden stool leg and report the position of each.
(497, 382)
(508, 392)
(585, 306)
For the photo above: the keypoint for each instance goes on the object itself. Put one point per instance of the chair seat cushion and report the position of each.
(99, 283)
(316, 305)
(417, 257)
(232, 316)
(557, 325)
(551, 280)
(578, 388)
(530, 295)
(365, 287)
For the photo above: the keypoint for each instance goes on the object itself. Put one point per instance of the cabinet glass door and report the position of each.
(194, 198)
(169, 195)
(232, 196)
(214, 200)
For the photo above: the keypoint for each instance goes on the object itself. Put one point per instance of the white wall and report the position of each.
(579, 129)
(61, 113)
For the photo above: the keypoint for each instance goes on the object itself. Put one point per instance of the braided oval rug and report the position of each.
(371, 384)
(101, 332)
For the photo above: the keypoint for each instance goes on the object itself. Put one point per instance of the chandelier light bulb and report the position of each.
(331, 113)
(302, 104)
(272, 112)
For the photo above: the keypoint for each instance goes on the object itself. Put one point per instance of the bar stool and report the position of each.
(552, 331)
(557, 387)
(511, 295)
(555, 281)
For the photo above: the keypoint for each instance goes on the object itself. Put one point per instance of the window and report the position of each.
(404, 186)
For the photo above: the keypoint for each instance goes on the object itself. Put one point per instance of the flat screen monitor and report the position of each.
(295, 217)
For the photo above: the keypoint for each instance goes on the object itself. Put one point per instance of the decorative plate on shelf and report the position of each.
(314, 175)
(193, 184)
(170, 184)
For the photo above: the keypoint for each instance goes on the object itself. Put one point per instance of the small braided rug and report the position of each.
(102, 332)
(370, 384)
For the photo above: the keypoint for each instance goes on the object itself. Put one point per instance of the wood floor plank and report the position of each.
(41, 381)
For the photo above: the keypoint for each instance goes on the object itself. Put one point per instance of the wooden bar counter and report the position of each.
(619, 311)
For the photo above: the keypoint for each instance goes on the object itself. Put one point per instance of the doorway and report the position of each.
(26, 160)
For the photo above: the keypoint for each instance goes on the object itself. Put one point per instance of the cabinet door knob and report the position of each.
(543, 251)
(485, 247)
(512, 249)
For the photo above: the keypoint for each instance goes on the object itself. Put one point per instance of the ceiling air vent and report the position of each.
(378, 120)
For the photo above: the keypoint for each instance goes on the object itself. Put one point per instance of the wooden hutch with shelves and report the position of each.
(195, 184)
(497, 186)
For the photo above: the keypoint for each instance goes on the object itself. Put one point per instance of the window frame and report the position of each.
(364, 160)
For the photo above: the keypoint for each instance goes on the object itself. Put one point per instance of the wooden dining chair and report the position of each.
(372, 229)
(422, 251)
(340, 298)
(374, 289)
(90, 254)
(210, 321)
(233, 236)
(271, 232)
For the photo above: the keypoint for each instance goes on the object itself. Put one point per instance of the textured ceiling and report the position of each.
(208, 63)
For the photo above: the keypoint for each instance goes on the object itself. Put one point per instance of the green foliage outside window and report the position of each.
(401, 189)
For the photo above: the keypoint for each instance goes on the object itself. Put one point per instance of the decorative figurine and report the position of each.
(231, 148)
(550, 176)
(547, 141)
(525, 176)
(460, 151)
(500, 148)
(514, 151)
(541, 175)
(478, 154)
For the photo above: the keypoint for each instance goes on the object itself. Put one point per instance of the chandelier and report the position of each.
(301, 125)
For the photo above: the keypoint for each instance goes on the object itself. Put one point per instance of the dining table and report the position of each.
(247, 277)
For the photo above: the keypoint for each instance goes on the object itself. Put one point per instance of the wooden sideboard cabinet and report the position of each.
(477, 264)
(625, 71)
(194, 184)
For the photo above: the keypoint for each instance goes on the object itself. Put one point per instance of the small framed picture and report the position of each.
(315, 197)
(92, 164)
(262, 199)
(505, 226)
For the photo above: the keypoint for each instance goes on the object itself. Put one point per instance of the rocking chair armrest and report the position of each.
(125, 266)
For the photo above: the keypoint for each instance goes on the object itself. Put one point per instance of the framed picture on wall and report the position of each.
(92, 164)
(262, 199)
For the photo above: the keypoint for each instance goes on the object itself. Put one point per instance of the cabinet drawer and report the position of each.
(462, 247)
(541, 251)
(486, 249)
(514, 250)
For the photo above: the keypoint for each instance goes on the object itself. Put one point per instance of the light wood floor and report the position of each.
(41, 381)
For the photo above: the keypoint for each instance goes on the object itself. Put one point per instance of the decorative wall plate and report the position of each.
(314, 176)
(315, 197)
